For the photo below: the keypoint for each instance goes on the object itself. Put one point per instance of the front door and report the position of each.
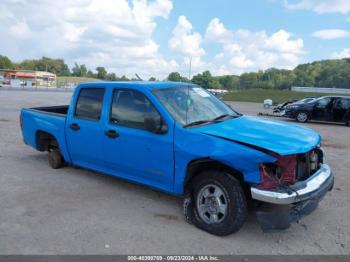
(323, 109)
(130, 150)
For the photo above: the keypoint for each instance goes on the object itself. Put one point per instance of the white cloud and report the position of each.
(345, 53)
(216, 31)
(321, 6)
(244, 50)
(20, 30)
(187, 43)
(184, 40)
(116, 34)
(329, 34)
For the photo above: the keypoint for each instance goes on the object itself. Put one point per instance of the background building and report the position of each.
(27, 78)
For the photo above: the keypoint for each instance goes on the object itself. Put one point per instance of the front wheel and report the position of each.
(217, 203)
(302, 117)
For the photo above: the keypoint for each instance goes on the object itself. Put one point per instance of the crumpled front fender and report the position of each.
(190, 145)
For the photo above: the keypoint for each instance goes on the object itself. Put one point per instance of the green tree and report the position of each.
(79, 70)
(65, 71)
(111, 77)
(101, 72)
(28, 65)
(83, 70)
(6, 63)
(91, 74)
(206, 80)
(124, 78)
(176, 77)
(249, 80)
(152, 79)
(229, 81)
(56, 66)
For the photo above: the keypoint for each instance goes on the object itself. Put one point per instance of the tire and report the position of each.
(55, 159)
(229, 213)
(302, 117)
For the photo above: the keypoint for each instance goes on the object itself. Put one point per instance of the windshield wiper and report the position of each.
(196, 123)
(221, 117)
(215, 120)
(224, 116)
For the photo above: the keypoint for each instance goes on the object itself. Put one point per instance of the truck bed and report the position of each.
(50, 120)
(61, 110)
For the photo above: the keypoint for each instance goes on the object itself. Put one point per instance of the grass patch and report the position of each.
(75, 79)
(259, 95)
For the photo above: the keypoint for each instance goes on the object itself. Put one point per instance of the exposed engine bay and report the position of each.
(290, 169)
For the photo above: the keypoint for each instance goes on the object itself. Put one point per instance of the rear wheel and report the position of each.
(302, 117)
(216, 203)
(55, 159)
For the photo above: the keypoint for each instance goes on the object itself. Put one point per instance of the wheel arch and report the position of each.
(195, 167)
(44, 141)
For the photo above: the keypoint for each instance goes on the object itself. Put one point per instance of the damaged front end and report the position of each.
(292, 186)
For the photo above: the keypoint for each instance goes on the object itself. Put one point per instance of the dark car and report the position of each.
(326, 108)
(280, 108)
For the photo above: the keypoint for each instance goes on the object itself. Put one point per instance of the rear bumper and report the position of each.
(315, 186)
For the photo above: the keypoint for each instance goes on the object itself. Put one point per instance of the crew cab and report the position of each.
(181, 139)
(326, 108)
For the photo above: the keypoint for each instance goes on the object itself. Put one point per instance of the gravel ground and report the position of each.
(75, 211)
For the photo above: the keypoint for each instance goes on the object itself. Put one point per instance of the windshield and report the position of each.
(307, 100)
(189, 105)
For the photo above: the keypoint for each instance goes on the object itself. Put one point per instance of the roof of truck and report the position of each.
(137, 84)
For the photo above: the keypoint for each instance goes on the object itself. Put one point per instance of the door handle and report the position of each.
(74, 127)
(112, 133)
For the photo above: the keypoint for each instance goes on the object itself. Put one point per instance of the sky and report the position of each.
(156, 37)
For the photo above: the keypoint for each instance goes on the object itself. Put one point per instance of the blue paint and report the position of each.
(161, 160)
(277, 136)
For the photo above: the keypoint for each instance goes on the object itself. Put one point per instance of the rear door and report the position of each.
(84, 130)
(340, 109)
(130, 150)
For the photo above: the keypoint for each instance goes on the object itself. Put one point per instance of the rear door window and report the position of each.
(341, 103)
(89, 103)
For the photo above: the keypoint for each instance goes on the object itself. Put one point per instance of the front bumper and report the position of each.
(289, 113)
(288, 207)
(315, 186)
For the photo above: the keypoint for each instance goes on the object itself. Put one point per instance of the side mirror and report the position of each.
(155, 125)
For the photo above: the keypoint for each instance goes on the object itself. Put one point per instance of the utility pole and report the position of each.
(190, 68)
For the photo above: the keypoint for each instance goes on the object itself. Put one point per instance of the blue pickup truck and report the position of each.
(180, 139)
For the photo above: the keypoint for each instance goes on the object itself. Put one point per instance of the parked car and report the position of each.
(281, 108)
(181, 139)
(326, 108)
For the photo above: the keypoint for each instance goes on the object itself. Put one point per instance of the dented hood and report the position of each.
(276, 136)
